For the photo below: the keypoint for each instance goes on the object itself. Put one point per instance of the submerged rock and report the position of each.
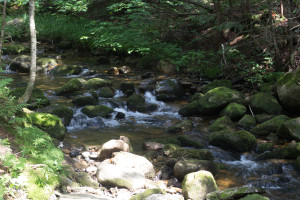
(240, 141)
(97, 111)
(254, 197)
(265, 103)
(175, 151)
(128, 88)
(196, 185)
(46, 64)
(165, 197)
(96, 83)
(182, 127)
(67, 70)
(234, 193)
(136, 102)
(181, 140)
(290, 129)
(70, 87)
(84, 101)
(106, 92)
(153, 146)
(169, 90)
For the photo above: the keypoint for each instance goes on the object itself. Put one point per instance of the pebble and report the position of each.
(91, 169)
(85, 154)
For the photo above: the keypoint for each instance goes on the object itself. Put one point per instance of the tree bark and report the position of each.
(2, 30)
(33, 42)
(281, 9)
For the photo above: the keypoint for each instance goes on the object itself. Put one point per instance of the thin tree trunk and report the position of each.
(290, 35)
(33, 42)
(2, 30)
(281, 9)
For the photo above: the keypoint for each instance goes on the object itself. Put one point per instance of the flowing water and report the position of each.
(278, 177)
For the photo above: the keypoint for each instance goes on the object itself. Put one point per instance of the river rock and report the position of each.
(196, 185)
(112, 146)
(291, 151)
(195, 97)
(106, 92)
(217, 83)
(36, 100)
(240, 141)
(261, 118)
(124, 70)
(97, 111)
(49, 123)
(120, 115)
(165, 67)
(234, 111)
(181, 140)
(234, 193)
(186, 166)
(290, 129)
(147, 193)
(67, 70)
(212, 102)
(113, 71)
(169, 90)
(15, 49)
(114, 175)
(288, 90)
(270, 126)
(297, 163)
(136, 102)
(165, 197)
(221, 124)
(247, 122)
(137, 162)
(254, 197)
(70, 87)
(84, 101)
(153, 146)
(128, 88)
(182, 127)
(20, 64)
(96, 83)
(265, 103)
(46, 64)
(175, 151)
(63, 112)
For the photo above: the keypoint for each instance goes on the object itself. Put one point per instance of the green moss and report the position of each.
(221, 124)
(270, 126)
(261, 118)
(234, 111)
(184, 126)
(48, 123)
(106, 92)
(234, 193)
(67, 70)
(15, 49)
(175, 151)
(96, 83)
(196, 96)
(289, 79)
(290, 129)
(37, 98)
(147, 193)
(212, 72)
(84, 101)
(181, 140)
(254, 197)
(287, 152)
(85, 180)
(265, 103)
(127, 88)
(247, 122)
(217, 83)
(97, 111)
(265, 147)
(46, 63)
(136, 102)
(70, 87)
(63, 112)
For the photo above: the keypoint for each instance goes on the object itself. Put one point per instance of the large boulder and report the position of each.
(234, 193)
(182, 127)
(265, 103)
(197, 185)
(287, 152)
(67, 70)
(112, 146)
(15, 49)
(247, 122)
(51, 124)
(136, 102)
(46, 64)
(96, 83)
(234, 111)
(288, 90)
(20, 64)
(212, 102)
(217, 83)
(270, 126)
(147, 193)
(165, 67)
(221, 124)
(128, 88)
(175, 151)
(63, 112)
(186, 166)
(118, 176)
(240, 141)
(168, 90)
(106, 92)
(97, 111)
(137, 162)
(70, 87)
(290, 129)
(36, 100)
(84, 101)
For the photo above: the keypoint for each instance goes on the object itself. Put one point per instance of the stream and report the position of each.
(278, 177)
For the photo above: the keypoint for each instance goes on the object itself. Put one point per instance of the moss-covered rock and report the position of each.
(67, 70)
(15, 49)
(85, 180)
(136, 102)
(182, 127)
(51, 124)
(64, 113)
(270, 126)
(96, 83)
(240, 141)
(234, 111)
(287, 152)
(265, 103)
(234, 193)
(217, 83)
(128, 88)
(70, 87)
(197, 185)
(247, 122)
(147, 193)
(261, 118)
(186, 166)
(168, 90)
(106, 92)
(288, 90)
(221, 124)
(254, 197)
(290, 129)
(263, 147)
(181, 140)
(196, 96)
(84, 101)
(212, 102)
(46, 64)
(36, 100)
(97, 111)
(20, 64)
(175, 151)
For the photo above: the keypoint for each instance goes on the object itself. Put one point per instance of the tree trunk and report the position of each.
(2, 30)
(33, 42)
(281, 9)
(290, 35)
